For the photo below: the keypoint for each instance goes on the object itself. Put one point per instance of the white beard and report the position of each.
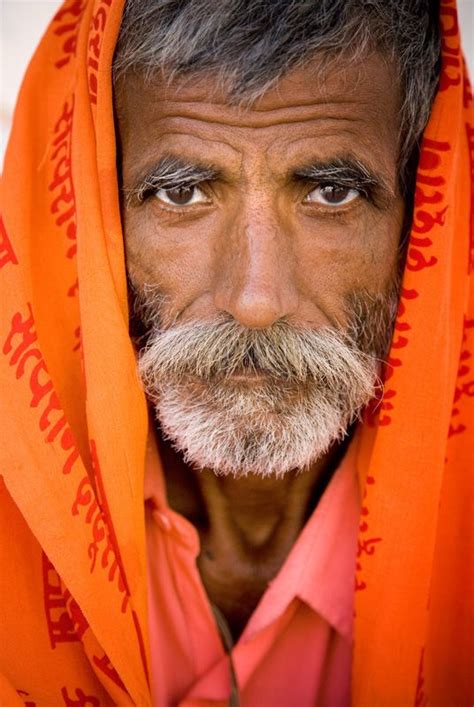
(313, 385)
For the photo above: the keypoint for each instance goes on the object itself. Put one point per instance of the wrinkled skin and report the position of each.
(259, 245)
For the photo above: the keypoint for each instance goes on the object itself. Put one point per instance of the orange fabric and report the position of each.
(301, 630)
(74, 422)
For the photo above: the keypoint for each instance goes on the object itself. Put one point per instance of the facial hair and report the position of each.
(264, 402)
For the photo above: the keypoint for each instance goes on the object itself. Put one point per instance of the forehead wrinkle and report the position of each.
(282, 144)
(202, 88)
(254, 120)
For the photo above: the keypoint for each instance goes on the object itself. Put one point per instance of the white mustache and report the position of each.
(214, 350)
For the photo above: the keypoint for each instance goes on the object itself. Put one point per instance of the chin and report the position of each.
(239, 432)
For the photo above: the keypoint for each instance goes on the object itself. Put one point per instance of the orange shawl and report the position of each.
(74, 419)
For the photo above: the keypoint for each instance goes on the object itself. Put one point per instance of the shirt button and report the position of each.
(162, 520)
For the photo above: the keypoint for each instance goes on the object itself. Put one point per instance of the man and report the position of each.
(248, 170)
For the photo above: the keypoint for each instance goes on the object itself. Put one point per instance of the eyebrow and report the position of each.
(345, 171)
(170, 171)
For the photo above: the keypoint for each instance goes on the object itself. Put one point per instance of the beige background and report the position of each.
(22, 23)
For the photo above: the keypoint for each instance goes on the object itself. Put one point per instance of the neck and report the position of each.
(254, 508)
(246, 525)
(259, 513)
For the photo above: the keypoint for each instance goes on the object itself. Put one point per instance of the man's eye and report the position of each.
(332, 195)
(182, 196)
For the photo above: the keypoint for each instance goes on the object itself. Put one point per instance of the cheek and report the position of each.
(340, 257)
(177, 258)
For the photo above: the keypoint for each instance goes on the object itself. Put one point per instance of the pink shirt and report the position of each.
(296, 648)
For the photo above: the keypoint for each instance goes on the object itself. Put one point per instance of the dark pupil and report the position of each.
(334, 194)
(180, 195)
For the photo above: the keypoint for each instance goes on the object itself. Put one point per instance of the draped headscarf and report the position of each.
(74, 417)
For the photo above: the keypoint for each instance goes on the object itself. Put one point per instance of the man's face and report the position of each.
(285, 214)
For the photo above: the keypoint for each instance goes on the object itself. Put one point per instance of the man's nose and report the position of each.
(255, 278)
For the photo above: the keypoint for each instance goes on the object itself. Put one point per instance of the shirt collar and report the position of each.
(320, 569)
(330, 541)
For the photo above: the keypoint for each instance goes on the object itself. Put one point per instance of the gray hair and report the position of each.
(250, 44)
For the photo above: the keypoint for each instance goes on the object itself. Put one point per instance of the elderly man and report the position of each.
(216, 207)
